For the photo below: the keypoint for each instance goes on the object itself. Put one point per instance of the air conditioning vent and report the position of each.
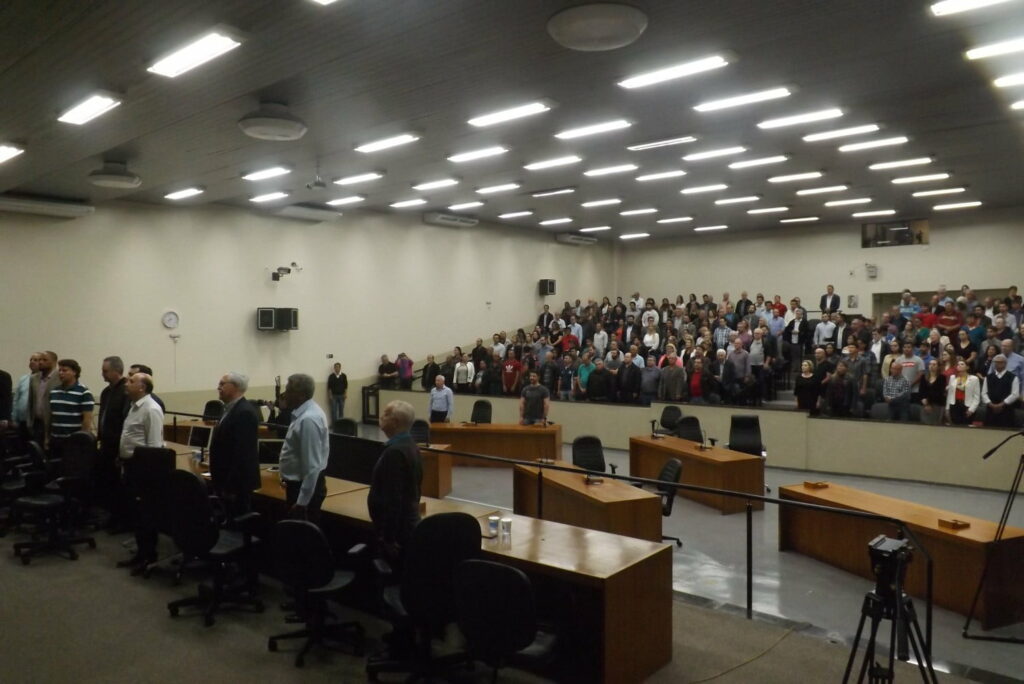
(436, 218)
(573, 239)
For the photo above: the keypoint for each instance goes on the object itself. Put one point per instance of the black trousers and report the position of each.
(291, 495)
(438, 416)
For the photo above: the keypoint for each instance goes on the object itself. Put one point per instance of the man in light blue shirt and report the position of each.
(305, 450)
(442, 402)
(20, 410)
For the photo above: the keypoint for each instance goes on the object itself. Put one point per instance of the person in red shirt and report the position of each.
(778, 305)
(511, 370)
(949, 321)
(569, 342)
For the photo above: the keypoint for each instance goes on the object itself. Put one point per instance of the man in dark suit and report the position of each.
(628, 380)
(114, 406)
(829, 303)
(545, 318)
(394, 497)
(234, 458)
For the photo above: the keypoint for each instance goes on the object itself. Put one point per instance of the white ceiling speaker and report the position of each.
(272, 121)
(114, 175)
(597, 26)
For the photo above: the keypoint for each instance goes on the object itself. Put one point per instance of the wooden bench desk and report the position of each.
(523, 442)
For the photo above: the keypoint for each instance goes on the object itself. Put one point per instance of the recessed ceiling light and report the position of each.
(956, 205)
(945, 7)
(464, 205)
(841, 133)
(921, 179)
(674, 72)
(351, 199)
(9, 152)
(801, 219)
(675, 219)
(439, 183)
(601, 202)
(660, 175)
(607, 170)
(739, 100)
(711, 154)
(595, 229)
(555, 221)
(504, 187)
(871, 144)
(667, 142)
(510, 114)
(738, 200)
(697, 189)
(551, 163)
(702, 229)
(359, 178)
(87, 110)
(385, 143)
(552, 193)
(943, 191)
(919, 161)
(878, 212)
(638, 212)
(263, 174)
(844, 202)
(269, 197)
(408, 203)
(795, 177)
(184, 194)
(747, 163)
(1005, 47)
(768, 210)
(818, 191)
(482, 153)
(634, 236)
(1010, 80)
(593, 129)
(795, 119)
(196, 53)
(515, 214)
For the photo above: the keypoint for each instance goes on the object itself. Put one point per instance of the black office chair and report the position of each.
(670, 472)
(347, 427)
(147, 474)
(688, 427)
(213, 410)
(420, 431)
(670, 417)
(305, 564)
(497, 615)
(424, 601)
(587, 453)
(482, 411)
(196, 532)
(745, 436)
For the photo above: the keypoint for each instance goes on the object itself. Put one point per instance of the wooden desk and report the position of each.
(351, 507)
(958, 555)
(524, 442)
(271, 485)
(612, 506)
(437, 471)
(716, 467)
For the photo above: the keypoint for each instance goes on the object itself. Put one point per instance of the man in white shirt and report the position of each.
(600, 340)
(143, 427)
(305, 450)
(824, 332)
(442, 402)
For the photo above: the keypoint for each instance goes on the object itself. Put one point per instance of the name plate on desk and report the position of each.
(954, 524)
(592, 479)
(815, 485)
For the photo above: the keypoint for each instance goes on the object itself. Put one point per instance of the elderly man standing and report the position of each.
(234, 456)
(999, 393)
(305, 450)
(394, 497)
(442, 401)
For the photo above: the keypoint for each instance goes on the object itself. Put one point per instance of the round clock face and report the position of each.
(170, 319)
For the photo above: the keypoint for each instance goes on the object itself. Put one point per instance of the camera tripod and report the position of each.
(899, 610)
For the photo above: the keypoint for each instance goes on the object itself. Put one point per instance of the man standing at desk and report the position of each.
(394, 497)
(442, 402)
(534, 402)
(143, 426)
(234, 456)
(304, 454)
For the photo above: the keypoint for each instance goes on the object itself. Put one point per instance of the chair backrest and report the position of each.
(688, 427)
(670, 472)
(482, 411)
(670, 416)
(213, 409)
(420, 431)
(302, 556)
(346, 426)
(497, 612)
(191, 521)
(150, 467)
(438, 545)
(587, 453)
(78, 459)
(745, 434)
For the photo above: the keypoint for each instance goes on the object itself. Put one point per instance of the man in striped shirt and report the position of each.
(71, 403)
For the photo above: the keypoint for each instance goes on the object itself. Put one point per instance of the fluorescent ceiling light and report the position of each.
(843, 203)
(881, 166)
(879, 212)
(747, 163)
(676, 219)
(826, 188)
(921, 179)
(606, 170)
(871, 144)
(510, 114)
(268, 197)
(956, 205)
(738, 200)
(802, 219)
(945, 7)
(263, 174)
(660, 175)
(1019, 104)
(9, 152)
(638, 212)
(661, 143)
(552, 193)
(701, 229)
(184, 194)
(710, 154)
(464, 205)
(795, 119)
(325, 2)
(593, 129)
(768, 210)
(1011, 80)
(89, 109)
(408, 203)
(359, 178)
(595, 229)
(551, 163)
(601, 202)
(841, 133)
(697, 189)
(1005, 47)
(634, 236)
(739, 100)
(473, 155)
(515, 214)
(504, 187)
(555, 221)
(385, 143)
(795, 177)
(198, 52)
(674, 72)
(351, 199)
(439, 183)
(943, 191)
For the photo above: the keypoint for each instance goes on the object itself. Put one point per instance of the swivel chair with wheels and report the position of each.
(688, 427)
(670, 417)
(745, 436)
(420, 431)
(213, 410)
(588, 453)
(482, 410)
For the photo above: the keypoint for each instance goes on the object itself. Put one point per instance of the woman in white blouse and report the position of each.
(652, 340)
(963, 394)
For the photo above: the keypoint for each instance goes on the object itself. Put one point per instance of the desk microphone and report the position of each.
(996, 447)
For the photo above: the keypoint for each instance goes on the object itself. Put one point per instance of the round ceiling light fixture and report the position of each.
(597, 26)
(272, 121)
(114, 175)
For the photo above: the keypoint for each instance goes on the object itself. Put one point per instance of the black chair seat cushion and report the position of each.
(13, 486)
(341, 579)
(539, 651)
(229, 543)
(39, 502)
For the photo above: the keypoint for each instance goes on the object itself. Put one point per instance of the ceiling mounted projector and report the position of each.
(272, 121)
(597, 26)
(114, 175)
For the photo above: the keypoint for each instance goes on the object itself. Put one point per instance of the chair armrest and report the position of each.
(247, 524)
(357, 551)
(14, 461)
(383, 569)
(613, 467)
